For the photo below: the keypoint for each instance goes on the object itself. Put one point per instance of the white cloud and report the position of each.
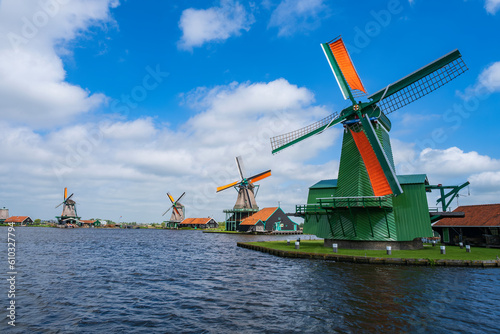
(452, 166)
(292, 16)
(33, 35)
(125, 167)
(492, 6)
(487, 182)
(200, 26)
(488, 82)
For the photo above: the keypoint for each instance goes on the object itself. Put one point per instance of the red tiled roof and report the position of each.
(475, 215)
(188, 221)
(16, 219)
(250, 221)
(87, 221)
(263, 215)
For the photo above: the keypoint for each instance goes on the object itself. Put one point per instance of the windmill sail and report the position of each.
(178, 208)
(380, 172)
(245, 187)
(343, 68)
(420, 83)
(281, 142)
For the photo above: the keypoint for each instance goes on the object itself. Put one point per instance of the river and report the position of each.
(163, 281)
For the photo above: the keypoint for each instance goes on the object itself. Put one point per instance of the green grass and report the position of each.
(428, 252)
(220, 231)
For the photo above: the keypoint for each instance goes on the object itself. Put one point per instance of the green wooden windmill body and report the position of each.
(368, 201)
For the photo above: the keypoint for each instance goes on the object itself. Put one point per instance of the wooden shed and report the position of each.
(480, 226)
(19, 220)
(198, 223)
(273, 219)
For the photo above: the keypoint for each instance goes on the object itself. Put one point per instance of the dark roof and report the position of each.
(484, 215)
(325, 184)
(413, 179)
(402, 179)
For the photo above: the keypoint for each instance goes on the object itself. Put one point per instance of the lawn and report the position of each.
(428, 252)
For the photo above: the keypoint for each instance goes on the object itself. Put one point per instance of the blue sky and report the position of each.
(122, 101)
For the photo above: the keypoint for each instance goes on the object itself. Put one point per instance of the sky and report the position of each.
(122, 101)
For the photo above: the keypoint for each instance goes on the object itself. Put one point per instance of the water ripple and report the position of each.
(160, 281)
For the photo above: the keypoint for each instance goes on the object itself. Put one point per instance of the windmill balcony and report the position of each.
(330, 203)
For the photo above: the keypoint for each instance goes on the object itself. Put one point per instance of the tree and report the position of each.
(38, 221)
(163, 225)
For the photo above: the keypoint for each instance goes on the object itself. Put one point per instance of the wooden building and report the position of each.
(267, 219)
(88, 223)
(480, 226)
(201, 223)
(372, 220)
(19, 220)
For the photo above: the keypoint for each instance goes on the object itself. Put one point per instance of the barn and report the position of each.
(272, 219)
(198, 223)
(480, 226)
(19, 220)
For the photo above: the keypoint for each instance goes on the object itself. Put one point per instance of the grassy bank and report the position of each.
(221, 231)
(428, 252)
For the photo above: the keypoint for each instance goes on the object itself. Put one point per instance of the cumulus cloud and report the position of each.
(33, 36)
(488, 82)
(492, 6)
(215, 24)
(452, 166)
(486, 182)
(293, 16)
(126, 167)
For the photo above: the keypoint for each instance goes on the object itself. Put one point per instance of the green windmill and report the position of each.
(368, 201)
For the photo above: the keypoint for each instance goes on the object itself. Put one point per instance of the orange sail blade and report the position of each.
(65, 193)
(171, 198)
(227, 186)
(346, 66)
(376, 174)
(260, 176)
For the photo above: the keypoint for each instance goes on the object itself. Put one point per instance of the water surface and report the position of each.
(162, 281)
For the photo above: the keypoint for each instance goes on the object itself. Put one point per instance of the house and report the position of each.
(198, 223)
(101, 222)
(480, 226)
(171, 224)
(267, 219)
(19, 220)
(88, 223)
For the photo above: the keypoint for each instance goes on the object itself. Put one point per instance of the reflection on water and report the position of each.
(98, 280)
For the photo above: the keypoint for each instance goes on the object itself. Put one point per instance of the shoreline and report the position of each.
(368, 259)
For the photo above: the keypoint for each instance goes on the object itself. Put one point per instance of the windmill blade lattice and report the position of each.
(241, 167)
(288, 139)
(420, 83)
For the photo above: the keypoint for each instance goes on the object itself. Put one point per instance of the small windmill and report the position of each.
(245, 187)
(360, 205)
(178, 212)
(68, 215)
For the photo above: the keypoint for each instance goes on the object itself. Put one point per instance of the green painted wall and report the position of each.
(412, 213)
(353, 177)
(404, 218)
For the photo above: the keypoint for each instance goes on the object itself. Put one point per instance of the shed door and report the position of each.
(446, 234)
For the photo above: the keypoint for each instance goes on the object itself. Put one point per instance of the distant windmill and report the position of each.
(68, 214)
(178, 211)
(245, 187)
